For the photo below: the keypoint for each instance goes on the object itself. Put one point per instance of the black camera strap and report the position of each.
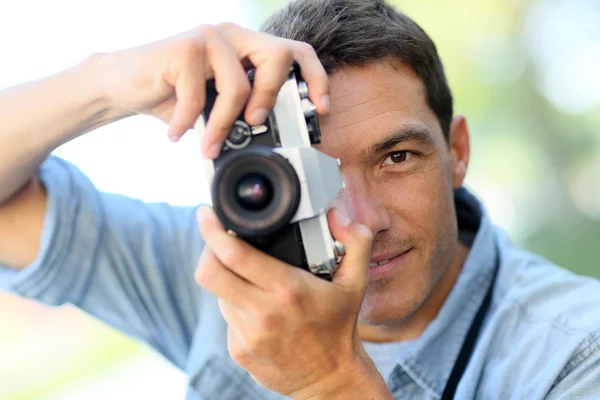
(469, 343)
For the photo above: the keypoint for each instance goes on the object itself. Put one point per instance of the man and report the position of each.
(430, 301)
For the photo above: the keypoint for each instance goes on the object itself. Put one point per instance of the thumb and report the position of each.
(353, 271)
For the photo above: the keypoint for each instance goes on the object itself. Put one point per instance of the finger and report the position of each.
(235, 326)
(315, 76)
(237, 255)
(353, 271)
(190, 87)
(271, 58)
(217, 279)
(234, 317)
(235, 330)
(275, 56)
(272, 70)
(233, 88)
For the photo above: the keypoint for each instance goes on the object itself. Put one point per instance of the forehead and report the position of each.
(371, 102)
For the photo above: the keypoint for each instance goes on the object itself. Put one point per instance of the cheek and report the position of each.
(421, 200)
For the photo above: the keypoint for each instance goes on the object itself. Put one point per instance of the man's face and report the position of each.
(399, 175)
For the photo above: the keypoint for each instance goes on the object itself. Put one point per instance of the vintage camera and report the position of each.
(271, 188)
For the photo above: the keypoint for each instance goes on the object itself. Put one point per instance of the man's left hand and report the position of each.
(295, 334)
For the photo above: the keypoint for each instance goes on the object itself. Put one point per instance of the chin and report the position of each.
(390, 302)
(395, 298)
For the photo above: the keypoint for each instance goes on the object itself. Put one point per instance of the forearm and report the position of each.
(38, 116)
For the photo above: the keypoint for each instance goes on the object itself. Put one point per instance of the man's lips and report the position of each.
(384, 265)
(376, 263)
(383, 258)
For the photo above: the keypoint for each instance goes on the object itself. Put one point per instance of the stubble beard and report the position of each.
(436, 268)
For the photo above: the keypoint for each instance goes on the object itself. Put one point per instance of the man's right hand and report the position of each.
(167, 79)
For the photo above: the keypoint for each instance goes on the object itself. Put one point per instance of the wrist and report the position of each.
(92, 72)
(361, 380)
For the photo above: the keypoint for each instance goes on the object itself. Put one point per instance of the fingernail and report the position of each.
(342, 217)
(326, 102)
(364, 229)
(213, 150)
(172, 136)
(200, 213)
(259, 116)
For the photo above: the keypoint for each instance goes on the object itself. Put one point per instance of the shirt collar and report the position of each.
(431, 357)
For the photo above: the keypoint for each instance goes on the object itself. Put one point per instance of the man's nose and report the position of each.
(363, 204)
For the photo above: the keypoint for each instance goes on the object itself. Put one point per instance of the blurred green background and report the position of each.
(526, 75)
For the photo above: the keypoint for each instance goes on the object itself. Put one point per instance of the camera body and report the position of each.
(270, 187)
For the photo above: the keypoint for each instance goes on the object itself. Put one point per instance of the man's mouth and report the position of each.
(378, 259)
(381, 267)
(376, 263)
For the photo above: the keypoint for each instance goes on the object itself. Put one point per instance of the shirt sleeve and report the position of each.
(128, 263)
(580, 379)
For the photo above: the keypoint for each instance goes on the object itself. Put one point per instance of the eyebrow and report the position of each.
(407, 133)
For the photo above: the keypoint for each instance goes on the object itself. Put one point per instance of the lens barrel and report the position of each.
(256, 191)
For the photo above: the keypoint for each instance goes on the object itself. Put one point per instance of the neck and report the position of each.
(414, 326)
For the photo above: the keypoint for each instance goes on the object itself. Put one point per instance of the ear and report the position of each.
(460, 148)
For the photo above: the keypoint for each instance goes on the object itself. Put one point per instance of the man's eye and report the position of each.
(397, 157)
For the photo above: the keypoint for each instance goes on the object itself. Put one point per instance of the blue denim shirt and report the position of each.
(131, 264)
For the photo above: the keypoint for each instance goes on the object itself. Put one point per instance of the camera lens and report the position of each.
(254, 192)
